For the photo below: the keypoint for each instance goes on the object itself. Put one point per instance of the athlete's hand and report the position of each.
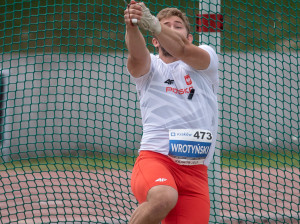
(148, 21)
(133, 14)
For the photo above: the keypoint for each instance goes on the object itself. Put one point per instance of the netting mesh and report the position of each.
(71, 125)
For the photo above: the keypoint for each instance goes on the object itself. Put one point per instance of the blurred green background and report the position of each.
(95, 26)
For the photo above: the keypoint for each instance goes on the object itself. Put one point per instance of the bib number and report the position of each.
(189, 146)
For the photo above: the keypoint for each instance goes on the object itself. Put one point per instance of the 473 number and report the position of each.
(203, 135)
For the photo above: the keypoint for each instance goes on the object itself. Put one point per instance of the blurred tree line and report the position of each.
(97, 26)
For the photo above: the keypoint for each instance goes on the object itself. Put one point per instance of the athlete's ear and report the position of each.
(155, 42)
(190, 38)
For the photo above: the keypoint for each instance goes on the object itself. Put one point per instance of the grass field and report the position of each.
(69, 163)
(251, 159)
(248, 159)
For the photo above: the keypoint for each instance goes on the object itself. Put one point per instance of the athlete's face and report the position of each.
(174, 23)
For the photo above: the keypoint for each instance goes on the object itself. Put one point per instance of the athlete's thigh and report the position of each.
(193, 204)
(190, 209)
(147, 173)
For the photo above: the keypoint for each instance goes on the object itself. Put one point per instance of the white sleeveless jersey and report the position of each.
(163, 94)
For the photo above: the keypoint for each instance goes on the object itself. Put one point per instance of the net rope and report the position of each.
(70, 123)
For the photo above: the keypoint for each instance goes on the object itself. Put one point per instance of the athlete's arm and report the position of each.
(139, 61)
(176, 43)
(181, 47)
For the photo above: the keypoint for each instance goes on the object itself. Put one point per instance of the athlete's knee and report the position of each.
(162, 199)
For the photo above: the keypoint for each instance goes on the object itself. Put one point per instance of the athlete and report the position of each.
(177, 90)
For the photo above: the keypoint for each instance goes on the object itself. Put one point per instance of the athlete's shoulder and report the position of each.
(154, 57)
(212, 69)
(212, 53)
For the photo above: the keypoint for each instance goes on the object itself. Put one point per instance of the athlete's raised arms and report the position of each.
(178, 43)
(138, 63)
(170, 34)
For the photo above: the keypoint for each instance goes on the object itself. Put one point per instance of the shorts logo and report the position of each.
(188, 79)
(161, 180)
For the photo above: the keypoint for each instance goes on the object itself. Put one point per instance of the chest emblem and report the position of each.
(188, 79)
(169, 81)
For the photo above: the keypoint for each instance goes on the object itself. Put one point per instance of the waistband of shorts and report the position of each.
(151, 154)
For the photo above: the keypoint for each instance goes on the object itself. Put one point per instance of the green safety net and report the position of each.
(70, 121)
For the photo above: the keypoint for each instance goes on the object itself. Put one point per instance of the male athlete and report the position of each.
(178, 98)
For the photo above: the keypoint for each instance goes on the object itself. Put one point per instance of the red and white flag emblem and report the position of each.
(188, 79)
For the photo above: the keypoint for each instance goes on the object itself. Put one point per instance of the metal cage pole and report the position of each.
(210, 25)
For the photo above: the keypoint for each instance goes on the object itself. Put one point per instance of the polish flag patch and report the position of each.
(188, 79)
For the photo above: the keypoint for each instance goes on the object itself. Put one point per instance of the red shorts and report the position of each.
(191, 182)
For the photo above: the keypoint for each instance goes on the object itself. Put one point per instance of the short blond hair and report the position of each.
(168, 12)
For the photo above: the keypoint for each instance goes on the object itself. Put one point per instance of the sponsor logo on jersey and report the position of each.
(179, 91)
(169, 81)
(188, 79)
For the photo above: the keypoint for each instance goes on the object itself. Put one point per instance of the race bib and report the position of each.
(189, 146)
